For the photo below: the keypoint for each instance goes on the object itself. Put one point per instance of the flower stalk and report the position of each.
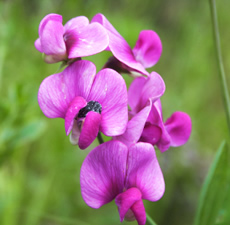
(149, 219)
(222, 76)
(100, 138)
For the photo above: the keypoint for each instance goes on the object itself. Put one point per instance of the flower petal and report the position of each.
(174, 132)
(154, 131)
(144, 171)
(151, 134)
(86, 41)
(109, 89)
(134, 127)
(37, 45)
(148, 48)
(72, 112)
(153, 89)
(57, 91)
(138, 209)
(125, 200)
(76, 23)
(142, 89)
(103, 173)
(179, 127)
(155, 116)
(51, 38)
(51, 41)
(134, 93)
(90, 129)
(46, 19)
(118, 46)
(75, 134)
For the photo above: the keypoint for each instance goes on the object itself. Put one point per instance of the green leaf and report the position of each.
(214, 188)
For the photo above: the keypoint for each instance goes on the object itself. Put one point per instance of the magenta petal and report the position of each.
(125, 200)
(154, 131)
(151, 134)
(57, 91)
(46, 19)
(179, 127)
(153, 89)
(134, 127)
(72, 112)
(109, 89)
(103, 173)
(175, 132)
(135, 92)
(51, 38)
(51, 99)
(118, 46)
(155, 116)
(143, 89)
(90, 129)
(37, 45)
(144, 171)
(89, 40)
(138, 209)
(165, 142)
(77, 23)
(148, 48)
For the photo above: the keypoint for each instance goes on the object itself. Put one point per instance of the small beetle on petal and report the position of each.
(88, 102)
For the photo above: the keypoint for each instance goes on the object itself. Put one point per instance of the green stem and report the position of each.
(100, 139)
(64, 63)
(222, 76)
(149, 220)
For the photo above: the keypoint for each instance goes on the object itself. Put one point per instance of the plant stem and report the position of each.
(63, 64)
(99, 138)
(222, 76)
(149, 219)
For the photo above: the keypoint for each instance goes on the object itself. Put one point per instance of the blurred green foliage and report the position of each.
(211, 198)
(39, 168)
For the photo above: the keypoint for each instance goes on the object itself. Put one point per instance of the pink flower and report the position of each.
(88, 102)
(174, 132)
(146, 123)
(145, 54)
(143, 92)
(77, 38)
(128, 175)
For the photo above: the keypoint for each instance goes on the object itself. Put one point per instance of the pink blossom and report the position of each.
(128, 175)
(143, 92)
(77, 38)
(146, 123)
(88, 102)
(174, 132)
(145, 54)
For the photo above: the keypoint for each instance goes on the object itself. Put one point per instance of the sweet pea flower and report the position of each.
(142, 94)
(77, 38)
(128, 175)
(174, 132)
(88, 102)
(145, 54)
(146, 124)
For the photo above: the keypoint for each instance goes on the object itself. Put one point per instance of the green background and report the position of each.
(39, 168)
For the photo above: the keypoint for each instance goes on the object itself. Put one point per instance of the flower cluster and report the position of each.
(126, 167)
